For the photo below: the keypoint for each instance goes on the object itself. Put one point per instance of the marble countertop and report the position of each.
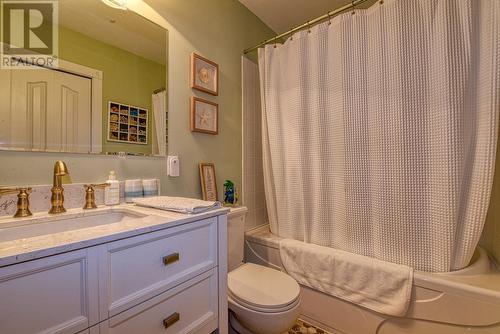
(148, 220)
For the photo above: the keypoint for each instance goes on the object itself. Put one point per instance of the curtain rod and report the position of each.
(308, 24)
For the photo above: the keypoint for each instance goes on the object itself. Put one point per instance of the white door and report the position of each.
(49, 110)
(72, 130)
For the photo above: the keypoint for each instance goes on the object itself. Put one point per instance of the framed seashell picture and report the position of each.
(204, 75)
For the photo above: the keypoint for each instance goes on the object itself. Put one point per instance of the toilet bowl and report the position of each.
(262, 300)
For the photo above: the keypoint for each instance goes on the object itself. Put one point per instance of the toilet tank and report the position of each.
(235, 237)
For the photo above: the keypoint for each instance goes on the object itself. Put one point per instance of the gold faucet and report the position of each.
(57, 198)
(90, 194)
(23, 200)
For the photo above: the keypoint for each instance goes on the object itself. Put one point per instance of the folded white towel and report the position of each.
(177, 204)
(380, 286)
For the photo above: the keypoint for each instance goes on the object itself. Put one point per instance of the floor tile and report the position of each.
(303, 327)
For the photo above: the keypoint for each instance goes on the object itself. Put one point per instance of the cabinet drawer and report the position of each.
(142, 267)
(188, 308)
(57, 294)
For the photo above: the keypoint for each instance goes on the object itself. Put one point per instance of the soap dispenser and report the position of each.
(112, 193)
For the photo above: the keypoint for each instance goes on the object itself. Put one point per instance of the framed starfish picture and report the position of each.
(204, 75)
(204, 116)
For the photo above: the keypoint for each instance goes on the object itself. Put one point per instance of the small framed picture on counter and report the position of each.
(208, 181)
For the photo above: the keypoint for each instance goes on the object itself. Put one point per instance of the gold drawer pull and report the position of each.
(171, 320)
(171, 258)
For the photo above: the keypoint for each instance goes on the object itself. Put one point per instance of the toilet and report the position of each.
(261, 300)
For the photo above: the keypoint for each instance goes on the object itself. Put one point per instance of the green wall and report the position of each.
(127, 78)
(216, 29)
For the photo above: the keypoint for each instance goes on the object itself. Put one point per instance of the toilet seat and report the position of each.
(263, 289)
(244, 304)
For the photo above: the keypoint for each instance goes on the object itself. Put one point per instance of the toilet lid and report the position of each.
(262, 287)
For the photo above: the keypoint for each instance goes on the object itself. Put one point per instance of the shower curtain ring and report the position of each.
(353, 5)
(329, 18)
(275, 38)
(308, 26)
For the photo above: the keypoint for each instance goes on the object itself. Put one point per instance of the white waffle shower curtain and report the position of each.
(380, 130)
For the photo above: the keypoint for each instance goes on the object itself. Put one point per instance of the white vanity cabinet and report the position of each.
(190, 307)
(136, 269)
(56, 294)
(171, 280)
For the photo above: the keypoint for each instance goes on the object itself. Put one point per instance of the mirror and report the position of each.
(106, 94)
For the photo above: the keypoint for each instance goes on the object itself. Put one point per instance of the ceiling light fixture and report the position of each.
(117, 4)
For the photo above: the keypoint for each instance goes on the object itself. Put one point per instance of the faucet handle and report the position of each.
(23, 200)
(90, 194)
(13, 190)
(97, 185)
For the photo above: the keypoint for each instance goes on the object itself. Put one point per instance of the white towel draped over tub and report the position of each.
(380, 286)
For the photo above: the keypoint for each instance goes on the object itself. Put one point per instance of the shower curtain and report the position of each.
(159, 102)
(380, 130)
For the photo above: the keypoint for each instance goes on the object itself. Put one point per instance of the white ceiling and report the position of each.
(129, 31)
(283, 15)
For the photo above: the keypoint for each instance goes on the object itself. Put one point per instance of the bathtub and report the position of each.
(464, 301)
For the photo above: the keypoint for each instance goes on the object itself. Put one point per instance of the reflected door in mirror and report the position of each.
(48, 111)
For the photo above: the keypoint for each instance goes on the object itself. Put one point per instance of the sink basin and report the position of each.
(35, 227)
